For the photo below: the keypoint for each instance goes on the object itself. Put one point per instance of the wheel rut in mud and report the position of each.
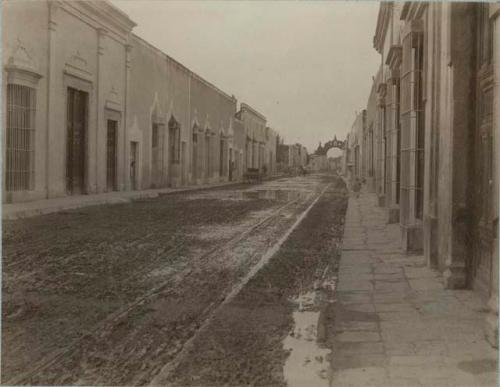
(246, 341)
(133, 344)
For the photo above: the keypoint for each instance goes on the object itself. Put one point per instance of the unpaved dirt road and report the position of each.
(277, 330)
(128, 294)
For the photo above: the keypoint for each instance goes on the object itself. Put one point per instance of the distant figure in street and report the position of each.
(356, 187)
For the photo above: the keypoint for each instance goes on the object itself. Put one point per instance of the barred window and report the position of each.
(484, 148)
(412, 125)
(398, 136)
(485, 38)
(155, 136)
(20, 147)
(174, 131)
(420, 110)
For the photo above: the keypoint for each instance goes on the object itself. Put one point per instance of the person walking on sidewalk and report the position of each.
(356, 187)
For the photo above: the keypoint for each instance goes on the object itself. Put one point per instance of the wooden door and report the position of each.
(208, 167)
(194, 166)
(183, 163)
(483, 224)
(157, 156)
(133, 165)
(231, 164)
(76, 141)
(174, 150)
(111, 156)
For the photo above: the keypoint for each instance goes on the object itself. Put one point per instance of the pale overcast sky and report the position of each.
(307, 66)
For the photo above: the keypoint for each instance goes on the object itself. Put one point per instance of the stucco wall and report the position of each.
(69, 49)
(171, 90)
(89, 46)
(24, 33)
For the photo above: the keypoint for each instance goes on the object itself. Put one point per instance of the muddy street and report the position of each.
(133, 294)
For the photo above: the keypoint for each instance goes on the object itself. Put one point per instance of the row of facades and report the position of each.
(291, 157)
(427, 143)
(91, 108)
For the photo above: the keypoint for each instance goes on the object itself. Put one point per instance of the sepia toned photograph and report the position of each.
(250, 193)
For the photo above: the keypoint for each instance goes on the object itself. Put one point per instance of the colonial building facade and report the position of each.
(92, 108)
(434, 113)
(292, 156)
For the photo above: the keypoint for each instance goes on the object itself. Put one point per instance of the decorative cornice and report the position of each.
(22, 76)
(77, 66)
(54, 6)
(128, 55)
(102, 33)
(381, 93)
(415, 26)
(21, 66)
(382, 89)
(101, 14)
(113, 100)
(394, 56)
(110, 105)
(486, 77)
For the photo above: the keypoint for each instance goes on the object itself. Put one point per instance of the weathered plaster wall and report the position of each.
(171, 90)
(25, 38)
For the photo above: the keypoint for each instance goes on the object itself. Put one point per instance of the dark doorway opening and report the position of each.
(133, 165)
(76, 141)
(111, 174)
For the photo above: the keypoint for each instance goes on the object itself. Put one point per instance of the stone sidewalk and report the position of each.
(395, 324)
(47, 206)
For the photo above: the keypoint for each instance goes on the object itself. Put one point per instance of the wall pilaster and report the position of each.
(394, 58)
(492, 316)
(52, 163)
(381, 93)
(460, 44)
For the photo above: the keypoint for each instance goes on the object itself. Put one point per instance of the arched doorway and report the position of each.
(174, 151)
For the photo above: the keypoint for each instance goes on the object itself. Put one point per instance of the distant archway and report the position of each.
(323, 150)
(333, 152)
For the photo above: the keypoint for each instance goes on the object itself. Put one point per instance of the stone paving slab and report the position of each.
(395, 323)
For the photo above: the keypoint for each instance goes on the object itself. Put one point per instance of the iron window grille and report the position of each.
(20, 147)
(412, 128)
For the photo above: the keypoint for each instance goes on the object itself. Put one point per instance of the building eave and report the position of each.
(383, 19)
(101, 14)
(413, 10)
(185, 69)
(244, 106)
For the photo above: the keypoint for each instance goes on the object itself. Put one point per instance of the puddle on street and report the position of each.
(219, 232)
(279, 195)
(308, 363)
(252, 194)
